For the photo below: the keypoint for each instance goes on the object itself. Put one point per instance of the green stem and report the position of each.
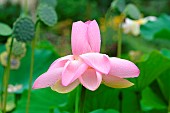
(6, 77)
(169, 107)
(138, 95)
(78, 91)
(1, 87)
(119, 47)
(25, 7)
(120, 100)
(32, 66)
(80, 99)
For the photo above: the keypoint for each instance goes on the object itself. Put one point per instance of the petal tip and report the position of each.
(35, 86)
(137, 72)
(130, 84)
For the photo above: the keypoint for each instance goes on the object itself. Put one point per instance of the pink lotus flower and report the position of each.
(86, 66)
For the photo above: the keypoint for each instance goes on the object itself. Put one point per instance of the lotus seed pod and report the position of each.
(47, 15)
(15, 62)
(23, 29)
(18, 49)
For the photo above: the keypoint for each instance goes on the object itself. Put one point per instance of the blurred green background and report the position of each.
(150, 51)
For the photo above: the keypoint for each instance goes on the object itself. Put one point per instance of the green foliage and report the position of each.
(151, 101)
(118, 4)
(82, 9)
(5, 30)
(130, 98)
(164, 84)
(132, 43)
(47, 57)
(149, 69)
(23, 29)
(10, 102)
(152, 7)
(154, 65)
(47, 14)
(105, 111)
(52, 3)
(166, 52)
(104, 97)
(157, 29)
(132, 11)
(42, 101)
(9, 12)
(163, 34)
(163, 80)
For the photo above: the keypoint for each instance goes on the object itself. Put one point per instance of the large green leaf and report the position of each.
(164, 83)
(158, 28)
(130, 98)
(151, 101)
(104, 97)
(150, 69)
(43, 59)
(56, 110)
(163, 80)
(104, 111)
(166, 53)
(163, 34)
(42, 101)
(5, 30)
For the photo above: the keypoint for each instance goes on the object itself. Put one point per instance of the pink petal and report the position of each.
(47, 79)
(61, 62)
(88, 22)
(123, 68)
(72, 70)
(91, 79)
(116, 82)
(94, 36)
(98, 61)
(79, 41)
(58, 87)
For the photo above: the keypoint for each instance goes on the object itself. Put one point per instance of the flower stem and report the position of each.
(138, 95)
(119, 47)
(169, 107)
(78, 91)
(32, 65)
(1, 87)
(120, 100)
(25, 7)
(80, 99)
(6, 77)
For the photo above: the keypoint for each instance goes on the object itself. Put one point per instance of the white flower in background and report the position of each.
(14, 88)
(133, 26)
